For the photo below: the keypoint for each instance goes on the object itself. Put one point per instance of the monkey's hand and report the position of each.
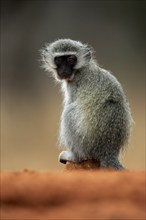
(66, 156)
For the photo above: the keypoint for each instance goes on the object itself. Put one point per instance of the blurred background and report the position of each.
(31, 101)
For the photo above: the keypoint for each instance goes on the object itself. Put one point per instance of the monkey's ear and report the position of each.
(84, 56)
(88, 52)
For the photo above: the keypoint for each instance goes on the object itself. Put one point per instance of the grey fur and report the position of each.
(96, 119)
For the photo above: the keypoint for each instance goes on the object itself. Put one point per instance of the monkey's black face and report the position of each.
(65, 66)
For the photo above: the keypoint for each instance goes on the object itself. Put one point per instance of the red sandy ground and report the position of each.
(97, 194)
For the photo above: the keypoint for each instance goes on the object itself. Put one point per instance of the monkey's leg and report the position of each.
(66, 156)
(111, 163)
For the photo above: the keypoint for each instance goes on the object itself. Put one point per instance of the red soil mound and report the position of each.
(73, 195)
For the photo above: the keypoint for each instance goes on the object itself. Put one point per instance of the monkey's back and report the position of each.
(97, 122)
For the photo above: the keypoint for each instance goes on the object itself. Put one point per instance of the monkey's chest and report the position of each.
(79, 120)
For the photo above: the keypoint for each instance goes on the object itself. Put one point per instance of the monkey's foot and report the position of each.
(66, 156)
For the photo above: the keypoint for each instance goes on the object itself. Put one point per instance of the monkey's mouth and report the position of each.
(65, 76)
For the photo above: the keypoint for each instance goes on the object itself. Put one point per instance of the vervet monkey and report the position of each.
(96, 118)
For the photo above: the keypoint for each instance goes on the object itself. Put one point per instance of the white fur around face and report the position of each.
(48, 56)
(80, 58)
(57, 54)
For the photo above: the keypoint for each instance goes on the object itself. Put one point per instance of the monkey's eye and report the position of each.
(58, 60)
(72, 60)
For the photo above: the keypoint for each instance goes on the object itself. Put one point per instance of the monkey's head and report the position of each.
(64, 57)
